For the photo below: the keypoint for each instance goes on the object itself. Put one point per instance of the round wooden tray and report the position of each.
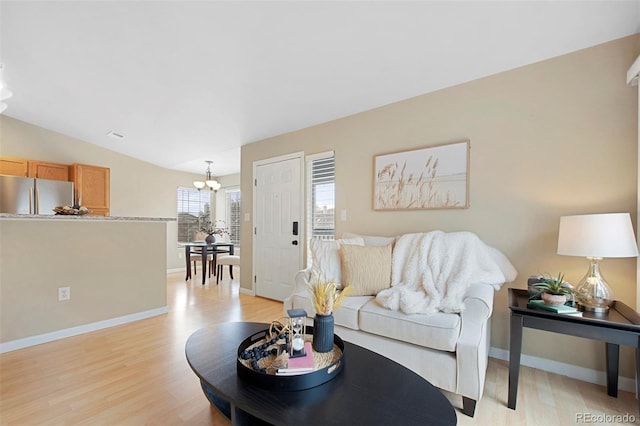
(288, 382)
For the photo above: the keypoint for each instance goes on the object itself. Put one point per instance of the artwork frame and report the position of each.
(429, 178)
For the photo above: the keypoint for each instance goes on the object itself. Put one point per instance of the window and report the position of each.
(232, 201)
(194, 212)
(321, 195)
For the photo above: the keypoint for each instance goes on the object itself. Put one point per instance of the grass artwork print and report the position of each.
(430, 178)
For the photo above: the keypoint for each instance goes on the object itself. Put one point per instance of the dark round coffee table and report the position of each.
(370, 390)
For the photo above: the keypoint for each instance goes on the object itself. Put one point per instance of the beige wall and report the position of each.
(137, 188)
(554, 138)
(114, 269)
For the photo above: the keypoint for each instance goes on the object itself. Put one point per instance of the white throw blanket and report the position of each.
(432, 271)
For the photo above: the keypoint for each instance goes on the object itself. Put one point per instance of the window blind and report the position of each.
(194, 208)
(233, 214)
(320, 197)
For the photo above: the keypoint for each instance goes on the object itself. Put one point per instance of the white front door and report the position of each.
(278, 212)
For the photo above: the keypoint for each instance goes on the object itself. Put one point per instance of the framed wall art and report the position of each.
(436, 177)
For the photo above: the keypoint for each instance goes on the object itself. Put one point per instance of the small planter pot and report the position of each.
(323, 333)
(554, 299)
(210, 239)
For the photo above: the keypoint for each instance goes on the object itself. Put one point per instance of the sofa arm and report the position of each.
(472, 350)
(302, 279)
(300, 286)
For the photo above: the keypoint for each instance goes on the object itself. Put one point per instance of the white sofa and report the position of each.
(450, 350)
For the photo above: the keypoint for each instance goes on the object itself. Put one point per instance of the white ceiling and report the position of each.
(189, 81)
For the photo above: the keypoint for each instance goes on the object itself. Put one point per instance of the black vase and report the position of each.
(210, 239)
(323, 333)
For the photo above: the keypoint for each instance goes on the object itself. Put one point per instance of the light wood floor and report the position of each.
(137, 374)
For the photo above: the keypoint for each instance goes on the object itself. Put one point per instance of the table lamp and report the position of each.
(596, 236)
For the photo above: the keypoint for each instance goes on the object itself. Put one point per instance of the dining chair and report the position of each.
(227, 259)
(196, 256)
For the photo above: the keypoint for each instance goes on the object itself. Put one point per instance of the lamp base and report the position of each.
(593, 294)
(596, 309)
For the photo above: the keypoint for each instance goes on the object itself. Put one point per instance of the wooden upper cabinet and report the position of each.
(92, 187)
(44, 170)
(13, 166)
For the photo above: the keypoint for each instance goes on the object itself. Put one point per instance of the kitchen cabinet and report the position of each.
(13, 166)
(91, 186)
(45, 170)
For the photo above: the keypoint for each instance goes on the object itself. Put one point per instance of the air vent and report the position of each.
(116, 135)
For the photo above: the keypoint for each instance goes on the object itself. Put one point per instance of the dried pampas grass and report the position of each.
(326, 296)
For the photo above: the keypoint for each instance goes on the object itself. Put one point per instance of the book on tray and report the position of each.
(299, 365)
(561, 309)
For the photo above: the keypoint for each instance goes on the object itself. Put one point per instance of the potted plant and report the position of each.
(326, 298)
(554, 291)
(221, 231)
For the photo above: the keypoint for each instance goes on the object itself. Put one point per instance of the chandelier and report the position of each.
(212, 184)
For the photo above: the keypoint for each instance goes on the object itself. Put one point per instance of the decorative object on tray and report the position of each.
(554, 291)
(271, 350)
(71, 210)
(304, 363)
(326, 297)
(263, 358)
(296, 321)
(436, 177)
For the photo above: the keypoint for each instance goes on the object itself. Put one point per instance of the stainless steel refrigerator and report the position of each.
(21, 195)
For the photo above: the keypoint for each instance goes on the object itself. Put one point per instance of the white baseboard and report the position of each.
(170, 271)
(249, 292)
(81, 329)
(573, 371)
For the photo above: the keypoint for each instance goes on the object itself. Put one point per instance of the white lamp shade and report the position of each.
(198, 184)
(597, 235)
(213, 184)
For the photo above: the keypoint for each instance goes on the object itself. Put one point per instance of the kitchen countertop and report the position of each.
(85, 218)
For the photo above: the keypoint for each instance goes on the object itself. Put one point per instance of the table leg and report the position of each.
(515, 348)
(241, 417)
(613, 358)
(205, 251)
(187, 255)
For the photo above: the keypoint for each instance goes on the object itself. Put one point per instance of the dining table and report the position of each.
(204, 249)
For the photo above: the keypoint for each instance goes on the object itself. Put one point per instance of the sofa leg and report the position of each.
(468, 406)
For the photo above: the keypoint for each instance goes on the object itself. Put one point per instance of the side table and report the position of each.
(620, 326)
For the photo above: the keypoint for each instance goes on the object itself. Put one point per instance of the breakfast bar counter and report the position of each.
(84, 217)
(113, 268)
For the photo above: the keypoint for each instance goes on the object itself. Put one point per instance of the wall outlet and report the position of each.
(64, 293)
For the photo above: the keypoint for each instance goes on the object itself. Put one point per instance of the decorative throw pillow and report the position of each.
(366, 269)
(325, 257)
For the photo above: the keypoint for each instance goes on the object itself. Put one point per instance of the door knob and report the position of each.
(294, 242)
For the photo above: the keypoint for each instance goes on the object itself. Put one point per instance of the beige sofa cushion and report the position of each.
(366, 270)
(347, 314)
(437, 331)
(325, 257)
